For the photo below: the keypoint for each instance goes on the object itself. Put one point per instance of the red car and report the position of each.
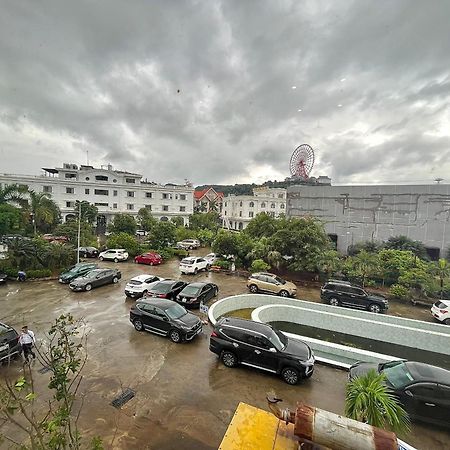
(152, 259)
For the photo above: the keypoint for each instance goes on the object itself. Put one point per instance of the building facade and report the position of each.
(238, 210)
(111, 191)
(354, 214)
(208, 200)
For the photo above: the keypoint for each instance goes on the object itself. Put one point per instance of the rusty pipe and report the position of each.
(286, 415)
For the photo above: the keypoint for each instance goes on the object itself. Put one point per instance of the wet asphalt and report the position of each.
(185, 397)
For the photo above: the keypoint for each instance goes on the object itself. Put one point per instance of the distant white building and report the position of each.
(238, 210)
(111, 191)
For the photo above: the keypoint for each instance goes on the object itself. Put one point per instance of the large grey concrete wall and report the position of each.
(361, 213)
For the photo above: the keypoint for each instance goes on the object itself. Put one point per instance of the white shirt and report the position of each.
(27, 338)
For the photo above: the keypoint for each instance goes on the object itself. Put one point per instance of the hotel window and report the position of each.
(47, 189)
(251, 205)
(165, 208)
(101, 204)
(263, 204)
(70, 190)
(165, 196)
(101, 192)
(282, 206)
(182, 208)
(182, 196)
(114, 205)
(86, 191)
(148, 195)
(130, 180)
(272, 205)
(240, 213)
(70, 175)
(250, 214)
(130, 207)
(149, 207)
(69, 204)
(115, 193)
(130, 193)
(101, 178)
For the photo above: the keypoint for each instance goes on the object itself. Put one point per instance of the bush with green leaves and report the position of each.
(124, 240)
(258, 265)
(41, 273)
(123, 223)
(222, 264)
(399, 291)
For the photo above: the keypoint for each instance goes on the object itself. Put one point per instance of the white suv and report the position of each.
(140, 285)
(188, 244)
(193, 264)
(441, 311)
(114, 254)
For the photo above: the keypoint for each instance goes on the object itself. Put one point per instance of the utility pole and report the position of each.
(79, 231)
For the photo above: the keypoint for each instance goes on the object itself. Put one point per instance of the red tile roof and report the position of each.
(199, 194)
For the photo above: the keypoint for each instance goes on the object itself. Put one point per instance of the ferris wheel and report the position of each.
(302, 161)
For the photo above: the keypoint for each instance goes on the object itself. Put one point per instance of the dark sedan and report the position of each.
(423, 390)
(95, 278)
(88, 252)
(167, 289)
(9, 342)
(166, 318)
(195, 293)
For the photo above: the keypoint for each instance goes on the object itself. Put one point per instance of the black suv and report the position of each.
(254, 344)
(338, 293)
(165, 317)
(9, 342)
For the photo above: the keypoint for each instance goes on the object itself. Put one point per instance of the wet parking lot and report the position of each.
(185, 397)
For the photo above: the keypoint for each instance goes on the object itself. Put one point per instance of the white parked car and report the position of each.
(114, 254)
(139, 286)
(211, 258)
(441, 311)
(193, 264)
(189, 244)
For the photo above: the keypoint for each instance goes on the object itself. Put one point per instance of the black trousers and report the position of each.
(27, 351)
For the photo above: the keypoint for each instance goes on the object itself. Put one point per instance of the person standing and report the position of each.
(27, 340)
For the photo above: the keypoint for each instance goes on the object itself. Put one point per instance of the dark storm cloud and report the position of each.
(204, 89)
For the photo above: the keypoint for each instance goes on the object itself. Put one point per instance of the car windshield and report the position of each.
(398, 375)
(176, 311)
(162, 288)
(3, 330)
(278, 340)
(280, 280)
(190, 290)
(187, 261)
(135, 282)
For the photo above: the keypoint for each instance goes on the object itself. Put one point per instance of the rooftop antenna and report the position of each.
(87, 157)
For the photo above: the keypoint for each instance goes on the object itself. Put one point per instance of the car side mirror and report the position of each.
(409, 393)
(272, 350)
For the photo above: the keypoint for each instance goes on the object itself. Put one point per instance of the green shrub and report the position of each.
(181, 253)
(258, 265)
(399, 291)
(124, 240)
(41, 273)
(222, 264)
(166, 253)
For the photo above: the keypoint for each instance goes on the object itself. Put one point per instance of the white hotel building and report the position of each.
(111, 191)
(238, 210)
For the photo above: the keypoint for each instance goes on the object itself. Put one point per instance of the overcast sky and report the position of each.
(224, 91)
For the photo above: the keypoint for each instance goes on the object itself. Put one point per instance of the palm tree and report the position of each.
(369, 400)
(443, 271)
(43, 210)
(12, 194)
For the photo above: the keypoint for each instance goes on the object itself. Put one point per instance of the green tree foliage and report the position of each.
(124, 240)
(263, 225)
(182, 233)
(123, 223)
(443, 272)
(89, 212)
(49, 423)
(43, 211)
(57, 256)
(145, 219)
(13, 194)
(369, 400)
(70, 229)
(206, 237)
(162, 235)
(177, 221)
(362, 266)
(201, 221)
(368, 246)
(226, 243)
(395, 262)
(11, 219)
(406, 244)
(330, 263)
(304, 239)
(258, 265)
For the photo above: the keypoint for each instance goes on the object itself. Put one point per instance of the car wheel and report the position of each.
(290, 375)
(229, 359)
(447, 321)
(253, 288)
(100, 258)
(175, 336)
(138, 325)
(88, 287)
(284, 293)
(333, 301)
(116, 260)
(115, 280)
(374, 308)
